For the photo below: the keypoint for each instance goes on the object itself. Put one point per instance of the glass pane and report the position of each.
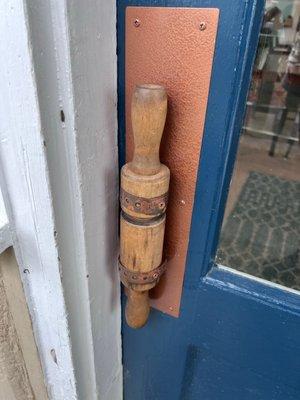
(261, 228)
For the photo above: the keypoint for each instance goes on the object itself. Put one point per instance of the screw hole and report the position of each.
(62, 116)
(137, 23)
(202, 26)
(53, 354)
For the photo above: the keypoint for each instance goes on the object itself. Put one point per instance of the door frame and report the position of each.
(59, 178)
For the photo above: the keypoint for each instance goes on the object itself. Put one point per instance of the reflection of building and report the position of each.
(275, 88)
(291, 79)
(291, 84)
(290, 10)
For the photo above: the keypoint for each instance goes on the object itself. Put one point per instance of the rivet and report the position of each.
(137, 23)
(202, 26)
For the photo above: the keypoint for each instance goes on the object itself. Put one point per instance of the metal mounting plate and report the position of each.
(173, 47)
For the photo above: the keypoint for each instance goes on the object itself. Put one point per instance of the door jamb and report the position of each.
(59, 178)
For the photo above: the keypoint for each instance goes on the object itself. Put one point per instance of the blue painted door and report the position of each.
(237, 337)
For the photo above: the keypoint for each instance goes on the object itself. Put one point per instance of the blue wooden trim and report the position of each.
(219, 150)
(261, 291)
(227, 344)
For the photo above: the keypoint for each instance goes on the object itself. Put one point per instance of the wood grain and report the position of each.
(142, 234)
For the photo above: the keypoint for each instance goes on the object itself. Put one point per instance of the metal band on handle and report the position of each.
(153, 206)
(134, 277)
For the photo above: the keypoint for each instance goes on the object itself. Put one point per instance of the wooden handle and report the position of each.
(137, 308)
(144, 190)
(148, 116)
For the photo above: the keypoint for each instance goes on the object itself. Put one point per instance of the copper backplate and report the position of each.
(173, 47)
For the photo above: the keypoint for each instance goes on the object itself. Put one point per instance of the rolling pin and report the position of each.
(143, 198)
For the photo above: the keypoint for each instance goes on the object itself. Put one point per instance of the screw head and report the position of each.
(136, 23)
(202, 26)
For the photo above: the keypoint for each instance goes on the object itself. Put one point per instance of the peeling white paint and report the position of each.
(5, 235)
(80, 131)
(27, 195)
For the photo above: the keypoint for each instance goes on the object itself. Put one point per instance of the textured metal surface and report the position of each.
(168, 46)
(129, 277)
(154, 206)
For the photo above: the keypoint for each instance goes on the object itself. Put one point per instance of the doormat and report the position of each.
(262, 234)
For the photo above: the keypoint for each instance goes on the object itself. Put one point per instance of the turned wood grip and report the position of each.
(148, 116)
(144, 191)
(137, 308)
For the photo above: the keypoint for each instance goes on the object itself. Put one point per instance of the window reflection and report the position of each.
(261, 228)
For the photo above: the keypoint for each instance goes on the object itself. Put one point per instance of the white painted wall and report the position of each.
(61, 185)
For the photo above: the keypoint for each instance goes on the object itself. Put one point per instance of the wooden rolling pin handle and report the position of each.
(148, 117)
(137, 308)
(144, 180)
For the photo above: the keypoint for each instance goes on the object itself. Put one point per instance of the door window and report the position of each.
(261, 228)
